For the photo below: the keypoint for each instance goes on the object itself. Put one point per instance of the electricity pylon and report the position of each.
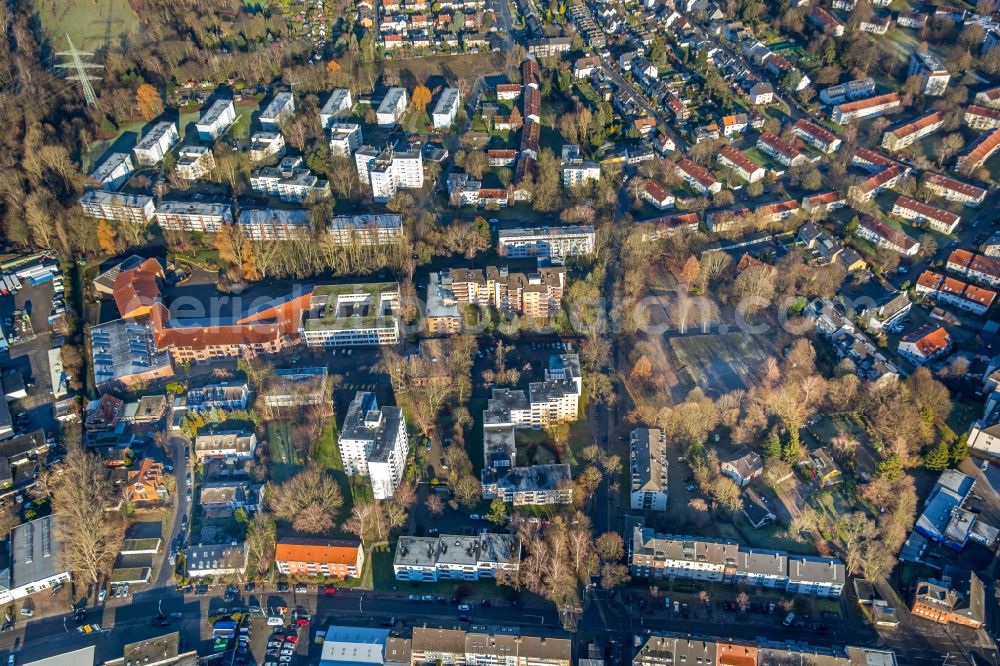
(82, 75)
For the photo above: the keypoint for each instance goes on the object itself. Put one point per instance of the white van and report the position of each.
(275, 621)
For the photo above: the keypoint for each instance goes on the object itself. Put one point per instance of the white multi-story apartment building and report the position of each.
(193, 216)
(289, 181)
(941, 221)
(338, 104)
(844, 92)
(277, 112)
(351, 315)
(961, 295)
(135, 208)
(741, 165)
(934, 76)
(264, 145)
(455, 557)
(656, 556)
(648, 466)
(698, 177)
(669, 556)
(784, 152)
(389, 171)
(580, 172)
(156, 143)
(546, 242)
(549, 402)
(446, 108)
(344, 138)
(907, 134)
(392, 108)
(885, 236)
(981, 268)
(816, 136)
(373, 443)
(113, 171)
(194, 162)
(981, 117)
(366, 229)
(951, 189)
(865, 108)
(275, 224)
(216, 119)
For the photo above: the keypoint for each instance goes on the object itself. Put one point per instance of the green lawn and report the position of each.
(284, 460)
(91, 24)
(326, 452)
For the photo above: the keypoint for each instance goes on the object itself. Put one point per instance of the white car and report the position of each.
(102, 595)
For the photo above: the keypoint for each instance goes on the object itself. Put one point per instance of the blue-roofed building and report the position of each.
(944, 520)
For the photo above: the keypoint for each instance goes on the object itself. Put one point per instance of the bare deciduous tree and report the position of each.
(91, 537)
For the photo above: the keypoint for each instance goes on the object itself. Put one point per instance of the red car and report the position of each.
(292, 639)
(330, 590)
(302, 622)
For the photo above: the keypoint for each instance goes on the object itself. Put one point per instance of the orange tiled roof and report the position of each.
(317, 551)
(138, 288)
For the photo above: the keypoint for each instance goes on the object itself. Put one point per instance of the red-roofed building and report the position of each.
(816, 136)
(780, 150)
(656, 195)
(989, 98)
(779, 210)
(137, 290)
(823, 202)
(907, 134)
(644, 125)
(867, 189)
(319, 557)
(742, 166)
(981, 117)
(698, 177)
(885, 236)
(960, 294)
(865, 108)
(980, 151)
(501, 158)
(668, 225)
(977, 267)
(942, 221)
(870, 160)
(508, 91)
(951, 189)
(925, 343)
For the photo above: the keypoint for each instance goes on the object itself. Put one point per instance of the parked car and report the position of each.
(301, 588)
(102, 595)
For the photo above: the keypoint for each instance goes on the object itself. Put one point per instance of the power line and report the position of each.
(82, 75)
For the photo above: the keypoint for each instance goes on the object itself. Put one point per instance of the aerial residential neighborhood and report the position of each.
(500, 333)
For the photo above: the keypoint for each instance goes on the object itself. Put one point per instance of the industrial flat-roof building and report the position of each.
(35, 560)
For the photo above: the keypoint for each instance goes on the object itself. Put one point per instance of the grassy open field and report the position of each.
(91, 24)
(438, 69)
(724, 362)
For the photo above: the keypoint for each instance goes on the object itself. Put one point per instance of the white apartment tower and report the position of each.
(373, 443)
(446, 108)
(389, 171)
